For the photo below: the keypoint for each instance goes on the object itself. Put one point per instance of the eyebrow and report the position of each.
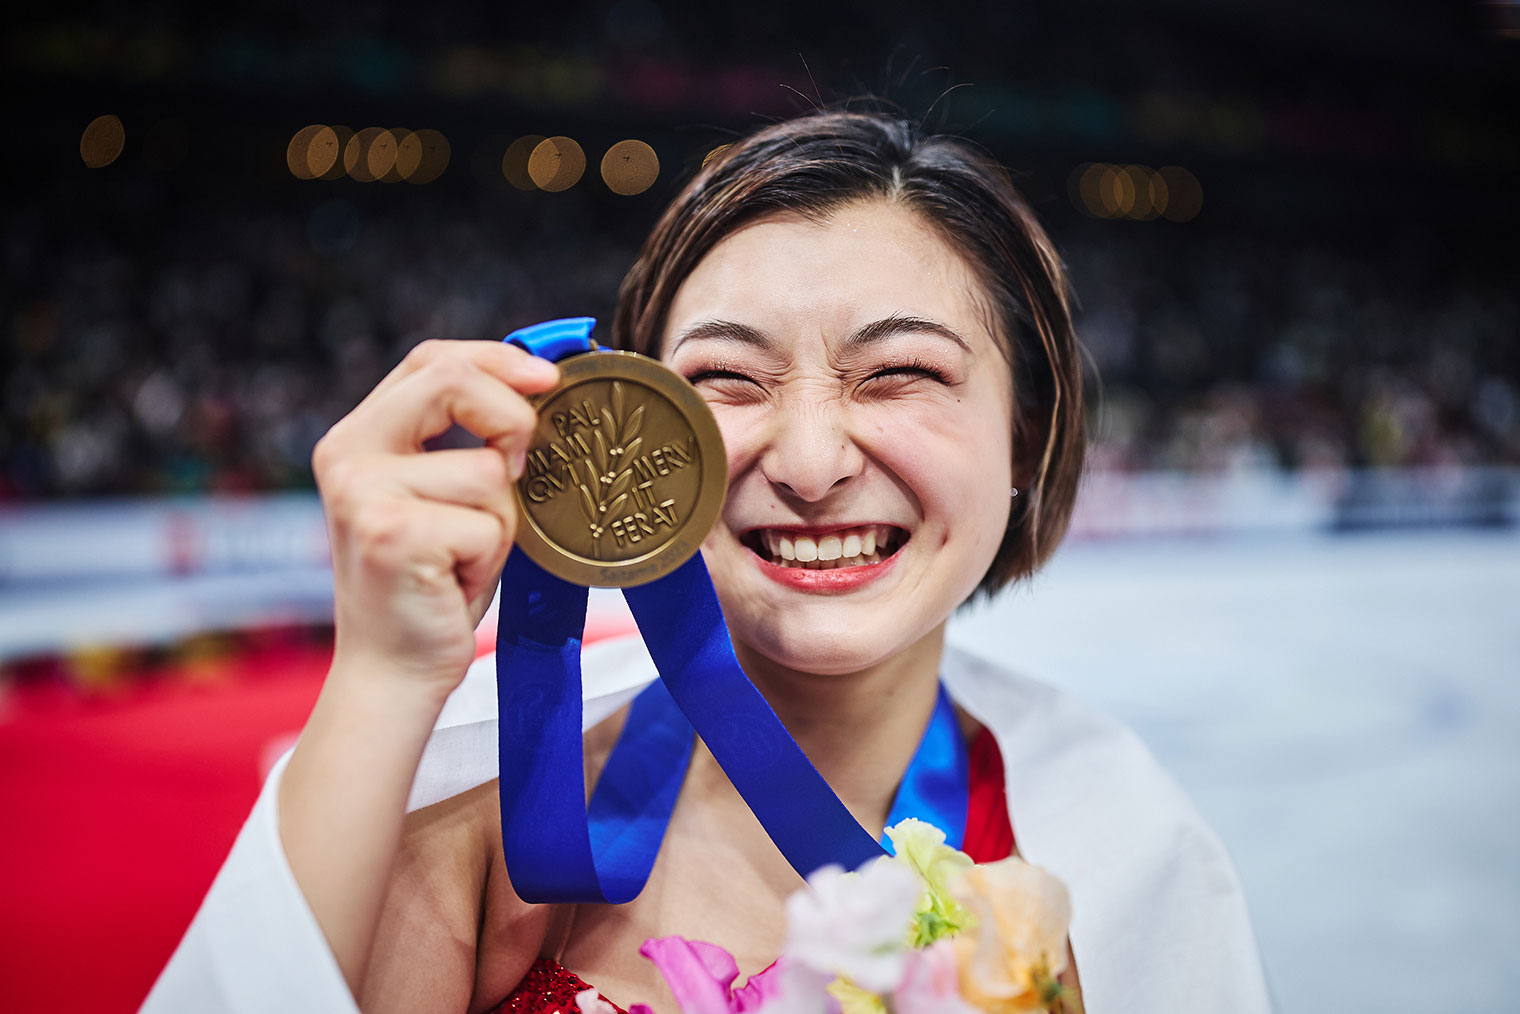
(732, 331)
(898, 324)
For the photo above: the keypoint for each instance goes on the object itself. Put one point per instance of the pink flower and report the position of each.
(701, 976)
(931, 983)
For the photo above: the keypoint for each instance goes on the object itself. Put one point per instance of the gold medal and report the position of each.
(625, 475)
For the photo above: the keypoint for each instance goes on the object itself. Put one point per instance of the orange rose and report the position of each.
(1010, 959)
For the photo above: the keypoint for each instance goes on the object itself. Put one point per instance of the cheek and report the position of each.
(744, 435)
(956, 460)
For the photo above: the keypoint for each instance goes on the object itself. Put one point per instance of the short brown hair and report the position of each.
(815, 163)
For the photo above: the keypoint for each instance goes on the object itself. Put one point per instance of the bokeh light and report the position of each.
(556, 164)
(325, 154)
(1135, 192)
(374, 151)
(1139, 178)
(298, 152)
(422, 156)
(1185, 193)
(102, 141)
(1086, 195)
(356, 154)
(1116, 192)
(1160, 194)
(389, 156)
(514, 164)
(630, 167)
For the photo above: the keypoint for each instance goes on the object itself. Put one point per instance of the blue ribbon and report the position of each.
(559, 849)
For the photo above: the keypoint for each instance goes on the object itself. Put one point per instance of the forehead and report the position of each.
(793, 276)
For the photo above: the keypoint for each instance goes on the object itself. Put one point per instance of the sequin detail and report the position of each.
(547, 988)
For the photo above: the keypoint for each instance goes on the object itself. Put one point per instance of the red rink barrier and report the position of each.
(119, 812)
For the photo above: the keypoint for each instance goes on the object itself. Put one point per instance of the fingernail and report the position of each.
(517, 463)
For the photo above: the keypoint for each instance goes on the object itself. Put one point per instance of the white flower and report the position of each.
(589, 1001)
(854, 925)
(802, 990)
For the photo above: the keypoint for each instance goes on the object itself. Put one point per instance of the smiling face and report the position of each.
(867, 413)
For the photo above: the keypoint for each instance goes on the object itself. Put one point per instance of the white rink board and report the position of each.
(1345, 710)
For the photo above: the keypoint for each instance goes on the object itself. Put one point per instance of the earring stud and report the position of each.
(1014, 491)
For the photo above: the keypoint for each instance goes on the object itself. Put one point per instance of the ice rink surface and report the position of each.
(1345, 710)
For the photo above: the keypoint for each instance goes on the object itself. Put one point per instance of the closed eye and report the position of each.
(909, 370)
(701, 375)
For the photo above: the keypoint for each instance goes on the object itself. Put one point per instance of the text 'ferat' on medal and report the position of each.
(625, 475)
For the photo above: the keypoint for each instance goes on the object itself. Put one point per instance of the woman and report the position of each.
(882, 331)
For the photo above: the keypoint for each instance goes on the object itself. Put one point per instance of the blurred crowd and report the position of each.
(1216, 353)
(209, 349)
(212, 353)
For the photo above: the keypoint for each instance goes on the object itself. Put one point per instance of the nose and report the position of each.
(810, 451)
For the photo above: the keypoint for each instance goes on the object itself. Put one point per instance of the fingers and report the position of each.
(425, 403)
(508, 363)
(476, 477)
(418, 538)
(477, 540)
(434, 545)
(450, 386)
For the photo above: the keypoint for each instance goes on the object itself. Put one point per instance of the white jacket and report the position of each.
(1158, 920)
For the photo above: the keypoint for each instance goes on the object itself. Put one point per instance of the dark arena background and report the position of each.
(1295, 568)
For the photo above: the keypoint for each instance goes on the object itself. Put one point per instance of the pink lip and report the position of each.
(825, 582)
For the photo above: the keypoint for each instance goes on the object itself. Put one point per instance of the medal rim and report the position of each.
(632, 367)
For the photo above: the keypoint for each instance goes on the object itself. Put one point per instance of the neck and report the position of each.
(859, 729)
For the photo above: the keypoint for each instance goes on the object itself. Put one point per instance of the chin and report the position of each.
(818, 630)
(814, 637)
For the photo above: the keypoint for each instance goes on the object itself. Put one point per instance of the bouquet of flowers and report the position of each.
(925, 931)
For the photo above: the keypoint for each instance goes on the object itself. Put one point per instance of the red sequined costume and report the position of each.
(550, 988)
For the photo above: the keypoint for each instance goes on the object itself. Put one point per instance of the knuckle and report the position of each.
(426, 351)
(338, 481)
(321, 456)
(379, 527)
(449, 371)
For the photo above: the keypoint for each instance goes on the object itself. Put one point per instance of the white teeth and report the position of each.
(855, 547)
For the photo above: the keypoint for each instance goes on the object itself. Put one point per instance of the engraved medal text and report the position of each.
(599, 459)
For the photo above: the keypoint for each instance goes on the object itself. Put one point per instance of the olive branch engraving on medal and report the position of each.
(610, 477)
(614, 491)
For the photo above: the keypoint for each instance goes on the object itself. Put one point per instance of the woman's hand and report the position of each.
(419, 537)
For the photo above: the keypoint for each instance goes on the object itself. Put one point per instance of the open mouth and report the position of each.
(860, 546)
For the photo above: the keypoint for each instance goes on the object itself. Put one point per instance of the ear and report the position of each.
(1030, 436)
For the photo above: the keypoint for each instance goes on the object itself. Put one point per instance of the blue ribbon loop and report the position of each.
(561, 849)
